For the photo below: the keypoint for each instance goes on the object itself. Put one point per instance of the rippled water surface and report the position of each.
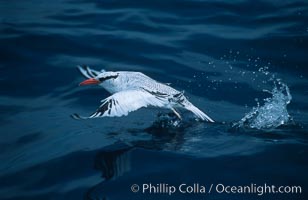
(244, 63)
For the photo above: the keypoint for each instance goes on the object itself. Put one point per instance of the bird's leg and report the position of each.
(176, 113)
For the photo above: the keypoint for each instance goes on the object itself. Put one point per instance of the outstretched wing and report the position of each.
(88, 72)
(121, 103)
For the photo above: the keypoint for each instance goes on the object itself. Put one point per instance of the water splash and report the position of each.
(272, 114)
(167, 120)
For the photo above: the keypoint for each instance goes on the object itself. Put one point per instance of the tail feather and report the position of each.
(198, 113)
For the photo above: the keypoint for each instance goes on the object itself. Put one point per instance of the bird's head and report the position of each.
(100, 78)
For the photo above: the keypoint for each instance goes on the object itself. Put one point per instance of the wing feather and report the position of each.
(121, 103)
(88, 72)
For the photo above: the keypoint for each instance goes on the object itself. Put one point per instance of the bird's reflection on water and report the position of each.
(113, 160)
(167, 133)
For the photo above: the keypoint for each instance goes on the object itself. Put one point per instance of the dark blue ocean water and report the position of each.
(223, 54)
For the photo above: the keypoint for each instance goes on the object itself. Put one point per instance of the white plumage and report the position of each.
(134, 90)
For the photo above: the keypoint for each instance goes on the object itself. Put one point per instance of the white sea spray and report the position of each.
(273, 113)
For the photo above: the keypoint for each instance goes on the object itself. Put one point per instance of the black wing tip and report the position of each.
(76, 116)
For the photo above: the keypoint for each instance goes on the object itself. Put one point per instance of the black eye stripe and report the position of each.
(107, 77)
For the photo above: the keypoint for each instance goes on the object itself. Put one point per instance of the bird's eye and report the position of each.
(107, 78)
